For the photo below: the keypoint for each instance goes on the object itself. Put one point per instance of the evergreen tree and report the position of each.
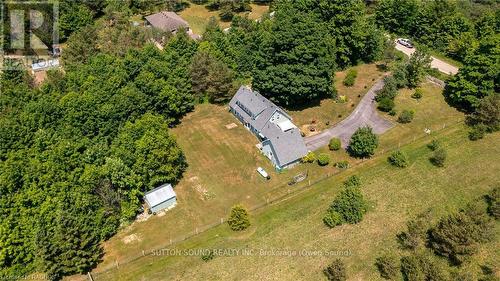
(238, 219)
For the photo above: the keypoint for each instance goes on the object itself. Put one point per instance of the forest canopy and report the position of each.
(78, 152)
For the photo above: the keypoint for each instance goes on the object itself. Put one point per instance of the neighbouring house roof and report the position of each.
(284, 136)
(159, 195)
(167, 21)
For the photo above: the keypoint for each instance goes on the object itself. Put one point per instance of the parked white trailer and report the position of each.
(263, 173)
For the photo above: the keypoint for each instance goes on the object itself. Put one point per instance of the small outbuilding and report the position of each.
(161, 198)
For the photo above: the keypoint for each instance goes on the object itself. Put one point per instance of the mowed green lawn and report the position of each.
(395, 195)
(221, 173)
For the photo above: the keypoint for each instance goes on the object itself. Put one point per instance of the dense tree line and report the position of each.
(476, 88)
(468, 31)
(292, 57)
(77, 154)
(453, 27)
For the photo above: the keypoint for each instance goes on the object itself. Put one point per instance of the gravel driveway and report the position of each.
(435, 63)
(364, 114)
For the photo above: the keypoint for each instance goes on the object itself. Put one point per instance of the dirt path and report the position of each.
(365, 114)
(435, 63)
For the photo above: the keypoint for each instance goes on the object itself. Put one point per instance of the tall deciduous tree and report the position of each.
(147, 147)
(211, 76)
(297, 57)
(417, 67)
(478, 78)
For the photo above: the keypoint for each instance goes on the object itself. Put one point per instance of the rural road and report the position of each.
(435, 63)
(365, 114)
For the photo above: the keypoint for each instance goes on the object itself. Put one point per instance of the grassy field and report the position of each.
(221, 173)
(222, 165)
(331, 111)
(198, 16)
(395, 195)
(431, 112)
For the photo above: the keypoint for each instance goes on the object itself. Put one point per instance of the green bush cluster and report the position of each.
(334, 144)
(415, 234)
(348, 206)
(486, 118)
(363, 143)
(419, 93)
(478, 132)
(350, 78)
(434, 145)
(336, 271)
(342, 165)
(390, 89)
(493, 199)
(332, 219)
(439, 157)
(399, 159)
(388, 266)
(323, 159)
(406, 116)
(456, 237)
(352, 181)
(310, 157)
(386, 104)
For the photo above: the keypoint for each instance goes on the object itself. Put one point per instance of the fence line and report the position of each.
(283, 195)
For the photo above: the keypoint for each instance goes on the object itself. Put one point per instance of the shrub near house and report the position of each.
(323, 159)
(334, 144)
(363, 143)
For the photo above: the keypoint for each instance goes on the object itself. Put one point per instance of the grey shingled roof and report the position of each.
(159, 195)
(167, 21)
(289, 146)
(252, 100)
(256, 103)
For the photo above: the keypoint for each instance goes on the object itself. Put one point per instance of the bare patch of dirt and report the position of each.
(231, 126)
(131, 238)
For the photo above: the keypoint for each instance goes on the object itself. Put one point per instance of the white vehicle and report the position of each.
(405, 42)
(263, 173)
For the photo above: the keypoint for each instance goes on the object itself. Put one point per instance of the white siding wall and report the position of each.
(268, 152)
(164, 205)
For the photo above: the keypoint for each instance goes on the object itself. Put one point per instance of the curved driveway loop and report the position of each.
(365, 114)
